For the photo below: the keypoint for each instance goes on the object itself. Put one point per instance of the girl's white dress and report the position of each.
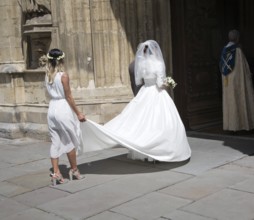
(63, 124)
(149, 126)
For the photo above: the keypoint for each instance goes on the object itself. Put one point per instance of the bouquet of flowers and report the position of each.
(170, 82)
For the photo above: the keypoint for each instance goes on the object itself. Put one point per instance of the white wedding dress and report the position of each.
(149, 126)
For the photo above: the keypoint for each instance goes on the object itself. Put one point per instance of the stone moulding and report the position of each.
(12, 68)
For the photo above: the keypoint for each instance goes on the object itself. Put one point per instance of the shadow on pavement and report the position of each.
(240, 143)
(120, 165)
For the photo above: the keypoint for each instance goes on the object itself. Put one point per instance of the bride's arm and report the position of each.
(161, 76)
(138, 78)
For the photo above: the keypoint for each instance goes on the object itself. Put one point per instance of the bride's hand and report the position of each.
(164, 86)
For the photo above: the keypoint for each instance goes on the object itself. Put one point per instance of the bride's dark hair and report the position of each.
(55, 63)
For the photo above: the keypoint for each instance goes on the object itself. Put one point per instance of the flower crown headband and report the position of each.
(58, 58)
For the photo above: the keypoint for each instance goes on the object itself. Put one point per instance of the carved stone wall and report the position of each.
(99, 38)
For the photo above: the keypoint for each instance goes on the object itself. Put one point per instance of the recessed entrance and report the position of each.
(199, 32)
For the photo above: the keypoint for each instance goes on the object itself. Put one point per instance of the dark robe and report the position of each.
(134, 87)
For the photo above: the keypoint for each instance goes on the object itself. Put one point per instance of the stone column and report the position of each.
(106, 45)
(10, 37)
(11, 66)
(72, 18)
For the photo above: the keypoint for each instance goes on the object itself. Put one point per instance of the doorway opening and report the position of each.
(199, 32)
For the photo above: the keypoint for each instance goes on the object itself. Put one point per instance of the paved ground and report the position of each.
(217, 183)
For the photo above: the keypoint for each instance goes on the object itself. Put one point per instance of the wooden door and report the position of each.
(199, 31)
(246, 24)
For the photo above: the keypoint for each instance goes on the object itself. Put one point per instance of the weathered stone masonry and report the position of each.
(99, 38)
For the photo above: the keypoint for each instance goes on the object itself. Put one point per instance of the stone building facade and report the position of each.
(99, 38)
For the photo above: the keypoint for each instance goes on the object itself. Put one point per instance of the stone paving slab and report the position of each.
(239, 143)
(246, 162)
(34, 166)
(11, 172)
(219, 176)
(109, 215)
(32, 181)
(9, 189)
(237, 168)
(201, 162)
(9, 206)
(40, 196)
(181, 215)
(205, 184)
(113, 193)
(14, 155)
(89, 202)
(226, 204)
(151, 206)
(208, 154)
(210, 146)
(246, 186)
(5, 165)
(32, 214)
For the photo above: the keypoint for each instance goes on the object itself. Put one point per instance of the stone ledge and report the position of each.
(10, 68)
(21, 130)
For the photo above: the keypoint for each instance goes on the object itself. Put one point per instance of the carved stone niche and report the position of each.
(38, 44)
(37, 31)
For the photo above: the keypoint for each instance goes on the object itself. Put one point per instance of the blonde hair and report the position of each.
(51, 70)
(55, 64)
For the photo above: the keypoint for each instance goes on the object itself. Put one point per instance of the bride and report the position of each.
(149, 126)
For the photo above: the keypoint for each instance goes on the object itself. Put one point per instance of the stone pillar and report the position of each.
(11, 66)
(72, 19)
(106, 44)
(11, 57)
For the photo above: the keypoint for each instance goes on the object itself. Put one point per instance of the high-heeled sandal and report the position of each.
(75, 173)
(57, 178)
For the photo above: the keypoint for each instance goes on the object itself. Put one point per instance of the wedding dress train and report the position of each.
(149, 126)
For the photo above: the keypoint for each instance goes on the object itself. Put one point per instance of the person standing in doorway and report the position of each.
(238, 92)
